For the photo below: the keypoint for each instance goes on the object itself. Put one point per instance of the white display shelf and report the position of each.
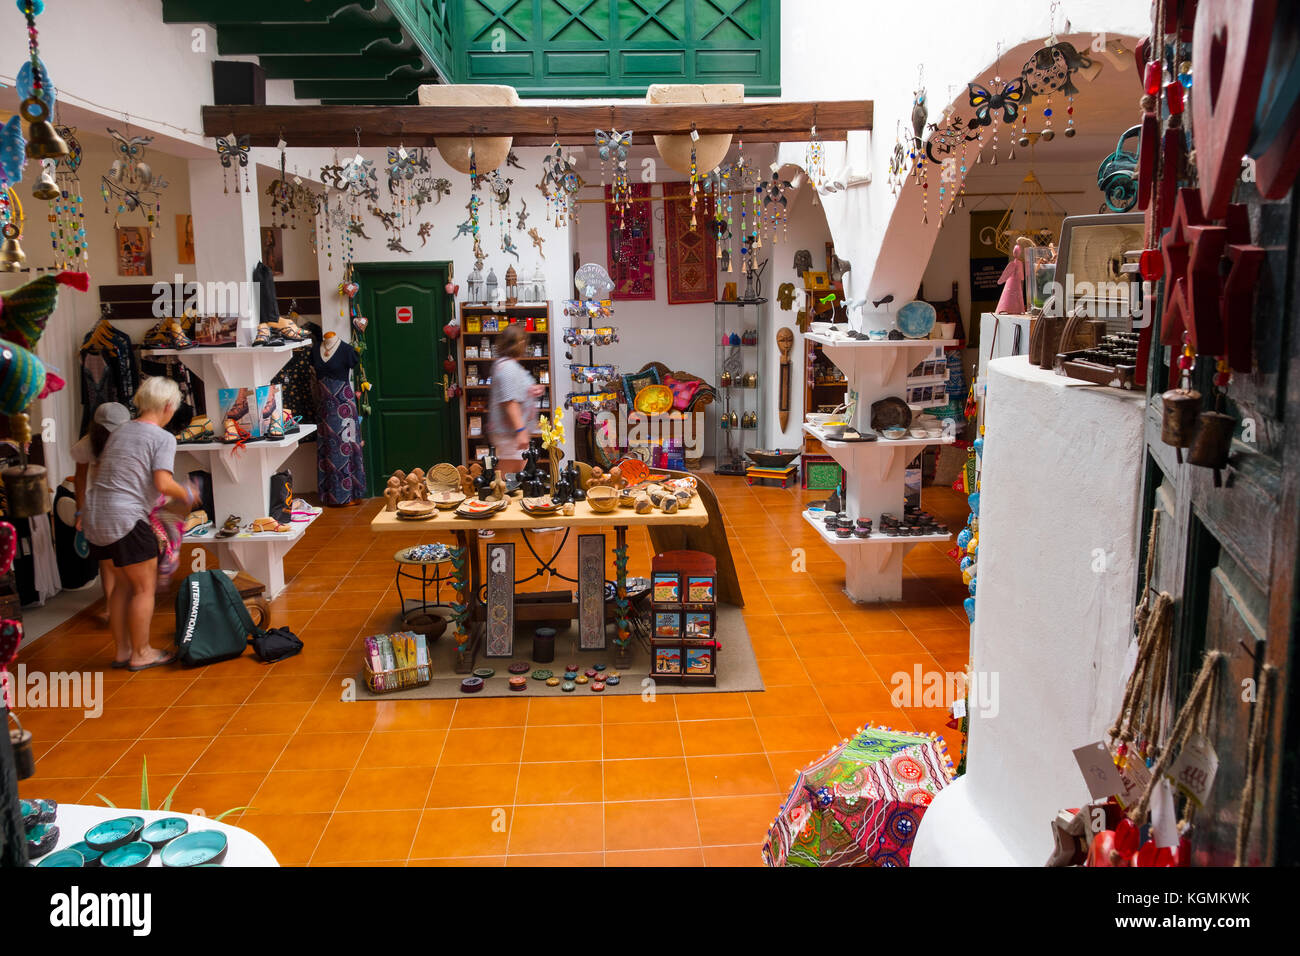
(878, 443)
(882, 460)
(254, 444)
(876, 538)
(868, 364)
(296, 530)
(228, 349)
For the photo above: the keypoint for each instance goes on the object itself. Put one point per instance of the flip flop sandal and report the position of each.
(231, 527)
(269, 524)
(167, 659)
(120, 665)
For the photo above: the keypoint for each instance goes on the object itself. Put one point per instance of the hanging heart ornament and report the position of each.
(8, 546)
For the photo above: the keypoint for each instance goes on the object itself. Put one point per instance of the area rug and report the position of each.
(692, 270)
(737, 667)
(630, 244)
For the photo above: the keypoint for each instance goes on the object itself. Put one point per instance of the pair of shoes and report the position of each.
(235, 433)
(196, 519)
(231, 527)
(267, 336)
(287, 329)
(168, 334)
(198, 430)
(269, 524)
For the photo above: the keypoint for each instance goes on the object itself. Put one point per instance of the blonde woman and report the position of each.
(135, 467)
(513, 411)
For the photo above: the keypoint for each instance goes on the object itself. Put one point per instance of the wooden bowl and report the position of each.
(602, 499)
(447, 500)
(415, 509)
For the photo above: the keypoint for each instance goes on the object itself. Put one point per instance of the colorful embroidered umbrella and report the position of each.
(861, 803)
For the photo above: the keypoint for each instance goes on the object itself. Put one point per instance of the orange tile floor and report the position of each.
(581, 780)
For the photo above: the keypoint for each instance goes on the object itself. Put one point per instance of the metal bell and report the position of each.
(12, 256)
(43, 140)
(1213, 443)
(27, 489)
(1178, 420)
(46, 187)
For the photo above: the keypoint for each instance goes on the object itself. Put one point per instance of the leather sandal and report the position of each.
(265, 336)
(198, 430)
(236, 433)
(288, 329)
(196, 519)
(269, 524)
(231, 527)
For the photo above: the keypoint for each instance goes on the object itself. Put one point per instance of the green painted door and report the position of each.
(410, 423)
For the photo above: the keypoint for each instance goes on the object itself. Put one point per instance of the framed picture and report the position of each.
(134, 257)
(1088, 266)
(185, 240)
(700, 660)
(699, 625)
(273, 249)
(817, 281)
(699, 589)
(667, 587)
(668, 659)
(668, 625)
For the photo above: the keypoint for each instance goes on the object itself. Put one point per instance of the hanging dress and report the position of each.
(340, 469)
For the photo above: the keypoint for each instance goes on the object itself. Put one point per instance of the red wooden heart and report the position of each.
(8, 545)
(11, 636)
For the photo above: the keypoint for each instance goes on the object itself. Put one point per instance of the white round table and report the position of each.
(74, 819)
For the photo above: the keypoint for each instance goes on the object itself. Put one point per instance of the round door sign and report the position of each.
(405, 315)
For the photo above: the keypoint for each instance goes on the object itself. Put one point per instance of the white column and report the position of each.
(227, 237)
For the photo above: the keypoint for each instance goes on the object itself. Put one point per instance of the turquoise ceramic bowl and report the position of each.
(196, 849)
(112, 834)
(68, 857)
(161, 832)
(89, 854)
(916, 319)
(128, 855)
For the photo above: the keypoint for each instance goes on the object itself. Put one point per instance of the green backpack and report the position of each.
(212, 622)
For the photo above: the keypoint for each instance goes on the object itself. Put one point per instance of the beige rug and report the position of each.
(737, 667)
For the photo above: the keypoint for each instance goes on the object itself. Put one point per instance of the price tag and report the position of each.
(1135, 776)
(695, 136)
(1099, 771)
(1193, 772)
(1164, 818)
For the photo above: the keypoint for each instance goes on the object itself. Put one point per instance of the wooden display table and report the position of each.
(469, 611)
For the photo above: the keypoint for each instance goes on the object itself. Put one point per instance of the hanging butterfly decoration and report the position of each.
(131, 181)
(613, 147)
(987, 103)
(232, 150)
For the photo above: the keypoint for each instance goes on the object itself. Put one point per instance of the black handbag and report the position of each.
(282, 496)
(275, 644)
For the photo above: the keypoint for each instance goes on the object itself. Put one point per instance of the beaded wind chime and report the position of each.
(232, 151)
(67, 210)
(916, 153)
(403, 166)
(612, 147)
(1050, 70)
(130, 181)
(560, 183)
(718, 188)
(995, 104)
(815, 159)
(475, 183)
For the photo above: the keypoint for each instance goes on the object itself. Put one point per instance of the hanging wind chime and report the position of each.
(131, 181)
(67, 209)
(995, 104)
(613, 147)
(232, 151)
(1051, 70)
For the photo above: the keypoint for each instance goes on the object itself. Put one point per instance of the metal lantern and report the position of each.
(512, 286)
(493, 286)
(539, 285)
(474, 284)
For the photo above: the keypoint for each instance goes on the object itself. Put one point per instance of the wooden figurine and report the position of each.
(467, 478)
(784, 342)
(614, 479)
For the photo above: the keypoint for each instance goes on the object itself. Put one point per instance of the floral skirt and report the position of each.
(340, 469)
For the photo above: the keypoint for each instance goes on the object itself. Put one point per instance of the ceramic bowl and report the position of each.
(602, 499)
(447, 500)
(834, 429)
(111, 834)
(416, 509)
(918, 433)
(128, 855)
(934, 431)
(842, 532)
(895, 432)
(195, 849)
(68, 857)
(89, 855)
(161, 832)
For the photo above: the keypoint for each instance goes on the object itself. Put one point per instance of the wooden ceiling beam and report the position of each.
(532, 125)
